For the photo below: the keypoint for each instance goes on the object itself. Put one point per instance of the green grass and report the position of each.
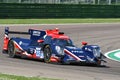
(13, 77)
(58, 21)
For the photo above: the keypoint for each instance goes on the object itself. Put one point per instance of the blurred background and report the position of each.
(59, 9)
(64, 1)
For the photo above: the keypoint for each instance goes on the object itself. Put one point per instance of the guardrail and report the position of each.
(16, 10)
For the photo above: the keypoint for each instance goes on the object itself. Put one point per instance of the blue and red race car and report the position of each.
(50, 46)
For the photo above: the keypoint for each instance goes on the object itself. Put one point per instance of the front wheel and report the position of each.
(11, 49)
(98, 63)
(47, 54)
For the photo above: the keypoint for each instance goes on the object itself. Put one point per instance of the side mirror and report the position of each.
(84, 43)
(40, 41)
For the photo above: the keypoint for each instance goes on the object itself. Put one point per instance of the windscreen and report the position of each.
(63, 42)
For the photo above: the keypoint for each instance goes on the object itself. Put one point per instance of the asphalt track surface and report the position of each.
(107, 36)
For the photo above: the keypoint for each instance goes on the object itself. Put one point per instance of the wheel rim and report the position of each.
(11, 49)
(47, 54)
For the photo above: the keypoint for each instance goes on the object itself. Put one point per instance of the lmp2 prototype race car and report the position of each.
(50, 46)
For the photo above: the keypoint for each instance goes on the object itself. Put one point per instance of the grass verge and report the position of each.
(58, 21)
(13, 77)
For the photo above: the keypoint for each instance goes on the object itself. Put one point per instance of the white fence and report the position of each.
(63, 1)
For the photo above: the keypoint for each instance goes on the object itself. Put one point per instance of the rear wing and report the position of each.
(7, 31)
(6, 37)
(34, 34)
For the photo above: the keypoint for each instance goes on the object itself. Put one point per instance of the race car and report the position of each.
(50, 46)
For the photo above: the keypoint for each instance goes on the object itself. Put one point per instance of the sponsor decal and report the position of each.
(72, 47)
(77, 51)
(94, 46)
(114, 55)
(39, 53)
(36, 33)
(88, 49)
(72, 55)
(22, 43)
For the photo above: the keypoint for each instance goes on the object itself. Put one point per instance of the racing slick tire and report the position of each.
(47, 54)
(98, 63)
(4, 51)
(101, 62)
(11, 49)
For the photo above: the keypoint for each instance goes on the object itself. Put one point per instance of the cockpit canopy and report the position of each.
(63, 42)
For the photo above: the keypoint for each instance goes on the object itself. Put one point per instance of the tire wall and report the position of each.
(15, 10)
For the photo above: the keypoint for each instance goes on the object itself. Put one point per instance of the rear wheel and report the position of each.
(5, 51)
(11, 49)
(47, 54)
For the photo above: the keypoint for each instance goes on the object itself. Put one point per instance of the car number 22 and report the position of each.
(39, 53)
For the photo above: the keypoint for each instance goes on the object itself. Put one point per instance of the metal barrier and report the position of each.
(63, 1)
(16, 10)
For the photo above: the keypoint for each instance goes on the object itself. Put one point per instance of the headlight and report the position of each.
(96, 52)
(59, 50)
